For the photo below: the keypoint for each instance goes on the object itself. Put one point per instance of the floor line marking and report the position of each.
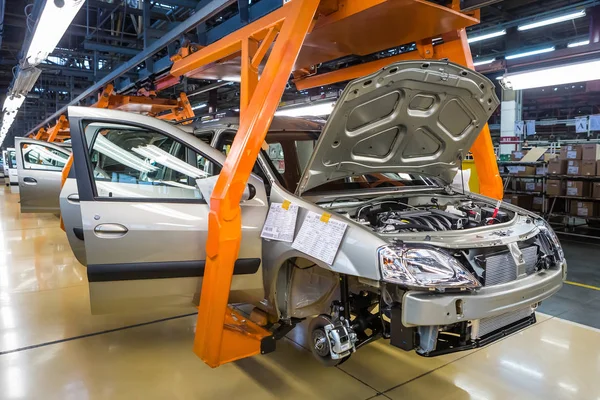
(583, 285)
(35, 346)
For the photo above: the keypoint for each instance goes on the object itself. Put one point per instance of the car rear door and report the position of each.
(144, 220)
(39, 169)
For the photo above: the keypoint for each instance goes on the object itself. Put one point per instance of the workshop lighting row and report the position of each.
(54, 20)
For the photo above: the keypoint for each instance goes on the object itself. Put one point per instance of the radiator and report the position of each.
(489, 325)
(501, 268)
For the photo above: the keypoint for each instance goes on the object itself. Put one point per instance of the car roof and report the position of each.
(279, 124)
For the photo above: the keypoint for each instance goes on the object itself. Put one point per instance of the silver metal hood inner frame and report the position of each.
(410, 117)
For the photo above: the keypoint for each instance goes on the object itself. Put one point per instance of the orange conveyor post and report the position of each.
(223, 335)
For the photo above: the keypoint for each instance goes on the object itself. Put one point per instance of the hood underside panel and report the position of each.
(410, 117)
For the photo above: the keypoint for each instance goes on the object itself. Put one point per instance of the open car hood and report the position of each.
(410, 117)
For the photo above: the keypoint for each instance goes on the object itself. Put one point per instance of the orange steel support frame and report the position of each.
(223, 335)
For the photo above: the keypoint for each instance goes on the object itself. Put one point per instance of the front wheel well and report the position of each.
(304, 288)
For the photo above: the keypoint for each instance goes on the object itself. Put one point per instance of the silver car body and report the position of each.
(39, 168)
(5, 168)
(135, 248)
(11, 176)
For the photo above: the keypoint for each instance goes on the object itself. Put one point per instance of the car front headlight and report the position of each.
(424, 268)
(547, 230)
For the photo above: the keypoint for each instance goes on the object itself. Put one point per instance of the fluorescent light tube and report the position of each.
(580, 43)
(477, 63)
(13, 103)
(492, 35)
(550, 21)
(50, 28)
(580, 72)
(530, 53)
(315, 110)
(199, 106)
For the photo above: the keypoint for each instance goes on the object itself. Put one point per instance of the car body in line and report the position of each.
(39, 169)
(421, 262)
(10, 168)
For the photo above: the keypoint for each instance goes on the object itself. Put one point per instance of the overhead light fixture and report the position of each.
(580, 43)
(530, 53)
(477, 63)
(580, 72)
(315, 110)
(10, 108)
(199, 106)
(486, 36)
(51, 26)
(550, 21)
(13, 103)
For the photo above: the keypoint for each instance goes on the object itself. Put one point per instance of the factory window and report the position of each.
(130, 162)
(42, 157)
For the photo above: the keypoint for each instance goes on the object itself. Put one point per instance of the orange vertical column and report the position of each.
(215, 343)
(490, 183)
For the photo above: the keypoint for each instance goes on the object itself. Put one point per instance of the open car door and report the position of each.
(39, 168)
(145, 222)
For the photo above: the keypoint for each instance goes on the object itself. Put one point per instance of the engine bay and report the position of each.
(426, 214)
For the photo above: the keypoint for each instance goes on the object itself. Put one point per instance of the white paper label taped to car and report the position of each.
(572, 154)
(572, 170)
(320, 236)
(572, 191)
(582, 211)
(281, 222)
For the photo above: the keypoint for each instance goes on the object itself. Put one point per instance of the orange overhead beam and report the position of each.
(346, 27)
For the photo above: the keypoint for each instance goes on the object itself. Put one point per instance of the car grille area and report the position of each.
(489, 325)
(501, 268)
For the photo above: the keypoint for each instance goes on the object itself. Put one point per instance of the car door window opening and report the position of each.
(141, 163)
(40, 157)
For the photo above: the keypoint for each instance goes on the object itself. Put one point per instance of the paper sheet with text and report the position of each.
(281, 222)
(320, 237)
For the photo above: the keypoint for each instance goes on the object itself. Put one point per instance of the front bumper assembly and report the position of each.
(427, 309)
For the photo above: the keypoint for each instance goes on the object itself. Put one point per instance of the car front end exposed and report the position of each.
(447, 300)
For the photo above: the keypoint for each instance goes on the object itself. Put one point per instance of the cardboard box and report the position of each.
(590, 151)
(597, 168)
(570, 152)
(550, 156)
(596, 190)
(522, 200)
(538, 204)
(555, 187)
(557, 167)
(578, 188)
(583, 208)
(517, 155)
(574, 167)
(588, 167)
(532, 187)
(520, 170)
(526, 171)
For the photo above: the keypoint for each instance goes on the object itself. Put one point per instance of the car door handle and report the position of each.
(29, 181)
(73, 198)
(110, 231)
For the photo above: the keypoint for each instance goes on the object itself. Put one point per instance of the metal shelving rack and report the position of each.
(509, 177)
